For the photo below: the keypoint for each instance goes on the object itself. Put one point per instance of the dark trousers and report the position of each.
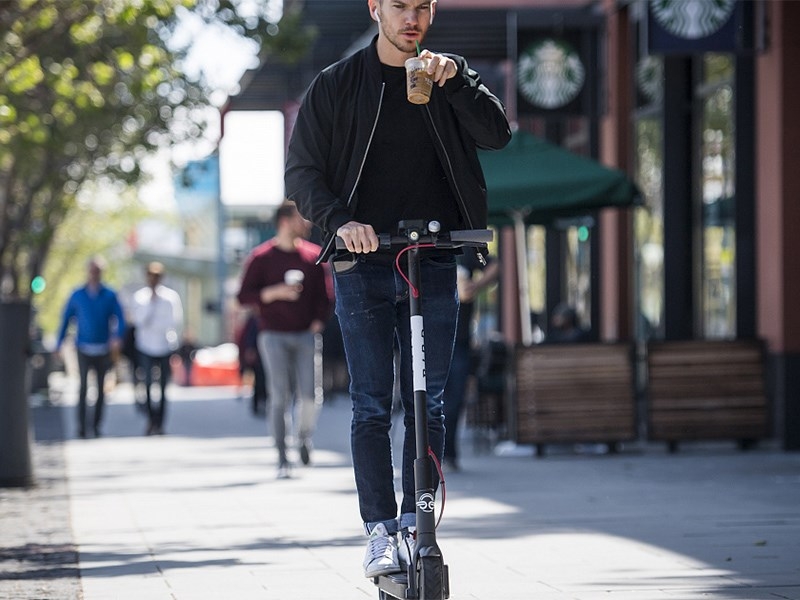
(259, 385)
(374, 315)
(100, 365)
(454, 392)
(161, 365)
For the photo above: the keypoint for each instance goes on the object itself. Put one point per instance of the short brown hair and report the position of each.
(287, 210)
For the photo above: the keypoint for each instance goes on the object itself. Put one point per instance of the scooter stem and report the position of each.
(423, 472)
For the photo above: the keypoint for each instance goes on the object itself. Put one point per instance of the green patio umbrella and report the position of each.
(531, 181)
(543, 182)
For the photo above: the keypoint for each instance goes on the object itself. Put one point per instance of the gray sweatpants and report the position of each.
(293, 362)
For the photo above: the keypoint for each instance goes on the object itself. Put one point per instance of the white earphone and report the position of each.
(377, 17)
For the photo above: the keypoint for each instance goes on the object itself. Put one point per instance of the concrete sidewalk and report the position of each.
(198, 514)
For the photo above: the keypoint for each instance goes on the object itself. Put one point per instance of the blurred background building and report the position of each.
(690, 99)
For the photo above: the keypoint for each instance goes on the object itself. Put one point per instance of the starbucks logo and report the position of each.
(692, 19)
(550, 74)
(650, 78)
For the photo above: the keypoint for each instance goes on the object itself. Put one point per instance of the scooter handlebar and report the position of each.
(447, 239)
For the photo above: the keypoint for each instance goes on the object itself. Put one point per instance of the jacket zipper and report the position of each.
(481, 257)
(360, 168)
(450, 168)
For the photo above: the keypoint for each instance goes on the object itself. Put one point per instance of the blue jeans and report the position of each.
(372, 307)
(454, 393)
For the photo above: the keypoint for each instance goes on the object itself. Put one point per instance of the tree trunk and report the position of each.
(15, 432)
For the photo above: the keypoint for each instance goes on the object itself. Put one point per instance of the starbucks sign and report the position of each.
(650, 79)
(692, 19)
(550, 74)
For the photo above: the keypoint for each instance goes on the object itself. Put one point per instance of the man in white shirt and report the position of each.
(158, 317)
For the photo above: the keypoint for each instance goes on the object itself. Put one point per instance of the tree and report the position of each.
(112, 221)
(88, 90)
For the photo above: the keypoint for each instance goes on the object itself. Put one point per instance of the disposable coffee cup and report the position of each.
(293, 277)
(419, 82)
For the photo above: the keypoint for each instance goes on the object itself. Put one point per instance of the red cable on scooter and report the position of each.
(414, 290)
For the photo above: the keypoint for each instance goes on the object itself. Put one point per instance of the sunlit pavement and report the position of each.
(199, 514)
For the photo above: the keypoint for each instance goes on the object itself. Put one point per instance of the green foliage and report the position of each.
(109, 223)
(289, 40)
(88, 89)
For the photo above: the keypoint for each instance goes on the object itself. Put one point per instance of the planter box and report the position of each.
(706, 390)
(570, 393)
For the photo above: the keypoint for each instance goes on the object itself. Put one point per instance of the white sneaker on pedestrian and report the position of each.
(284, 471)
(381, 555)
(406, 545)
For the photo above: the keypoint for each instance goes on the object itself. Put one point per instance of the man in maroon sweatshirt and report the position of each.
(293, 296)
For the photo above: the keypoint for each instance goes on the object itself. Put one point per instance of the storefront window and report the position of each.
(579, 269)
(573, 261)
(649, 228)
(718, 186)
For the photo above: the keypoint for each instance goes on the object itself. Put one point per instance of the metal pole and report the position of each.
(221, 266)
(521, 245)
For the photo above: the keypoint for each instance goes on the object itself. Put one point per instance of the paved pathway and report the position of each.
(198, 514)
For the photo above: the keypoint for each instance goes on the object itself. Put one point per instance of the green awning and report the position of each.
(544, 182)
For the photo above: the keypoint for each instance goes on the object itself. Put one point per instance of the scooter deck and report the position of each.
(396, 585)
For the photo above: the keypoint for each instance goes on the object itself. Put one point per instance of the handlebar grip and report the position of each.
(451, 239)
(475, 236)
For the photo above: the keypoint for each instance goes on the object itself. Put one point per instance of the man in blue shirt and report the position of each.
(97, 313)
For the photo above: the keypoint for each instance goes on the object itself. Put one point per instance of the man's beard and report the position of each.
(401, 44)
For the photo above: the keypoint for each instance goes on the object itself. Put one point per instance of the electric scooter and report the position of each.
(427, 575)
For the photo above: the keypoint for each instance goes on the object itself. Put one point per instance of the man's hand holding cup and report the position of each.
(288, 291)
(423, 71)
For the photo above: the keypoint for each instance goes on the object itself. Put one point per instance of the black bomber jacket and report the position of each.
(334, 128)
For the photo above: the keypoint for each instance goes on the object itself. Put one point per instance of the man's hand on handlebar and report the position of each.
(358, 237)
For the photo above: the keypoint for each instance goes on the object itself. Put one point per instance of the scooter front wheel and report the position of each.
(430, 578)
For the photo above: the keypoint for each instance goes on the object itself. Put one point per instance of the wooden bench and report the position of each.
(706, 390)
(574, 393)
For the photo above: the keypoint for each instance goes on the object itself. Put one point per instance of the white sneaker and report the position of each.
(406, 545)
(284, 471)
(381, 556)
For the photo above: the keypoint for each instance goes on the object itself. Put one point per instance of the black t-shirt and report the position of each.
(403, 178)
